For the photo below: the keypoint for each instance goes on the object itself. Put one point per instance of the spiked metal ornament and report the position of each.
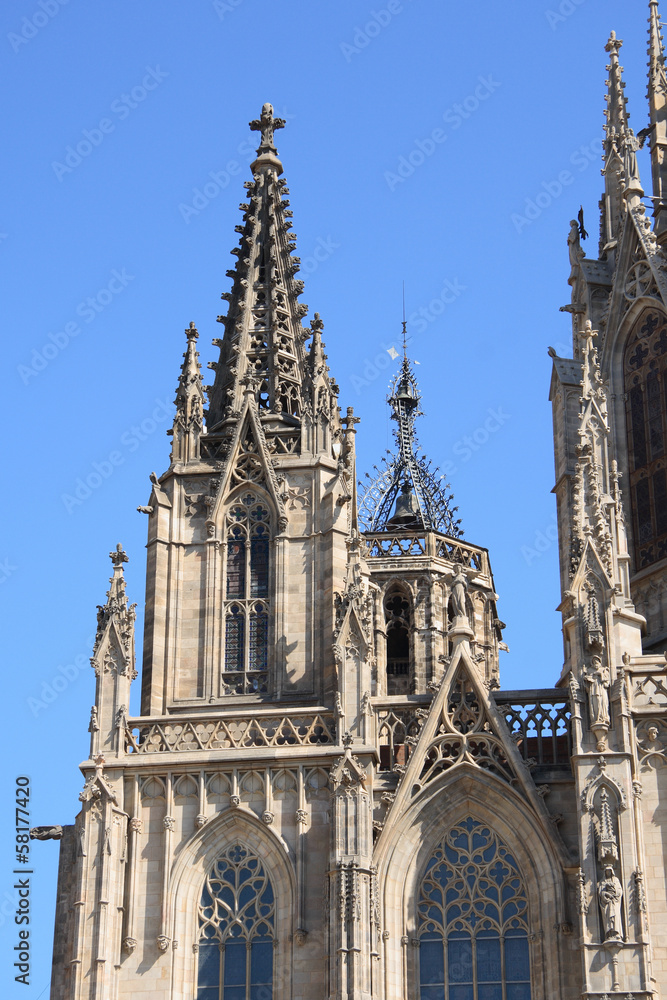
(407, 492)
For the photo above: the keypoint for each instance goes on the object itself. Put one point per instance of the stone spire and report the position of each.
(113, 662)
(189, 419)
(657, 102)
(622, 184)
(263, 340)
(617, 112)
(406, 492)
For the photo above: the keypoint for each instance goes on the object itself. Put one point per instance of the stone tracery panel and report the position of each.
(472, 913)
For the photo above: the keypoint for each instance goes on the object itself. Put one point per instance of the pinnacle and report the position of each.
(116, 598)
(189, 418)
(616, 114)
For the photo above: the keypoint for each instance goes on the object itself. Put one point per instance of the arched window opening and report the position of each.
(246, 589)
(645, 374)
(472, 914)
(397, 619)
(236, 929)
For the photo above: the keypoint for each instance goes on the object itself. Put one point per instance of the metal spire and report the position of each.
(406, 492)
(657, 102)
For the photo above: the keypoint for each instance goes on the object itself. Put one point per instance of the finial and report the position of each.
(266, 124)
(118, 557)
(191, 333)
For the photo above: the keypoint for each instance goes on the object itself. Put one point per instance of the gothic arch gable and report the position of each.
(411, 840)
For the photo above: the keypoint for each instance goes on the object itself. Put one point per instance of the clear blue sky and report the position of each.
(417, 133)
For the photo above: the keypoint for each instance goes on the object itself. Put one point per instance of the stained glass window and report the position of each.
(645, 367)
(236, 929)
(247, 564)
(473, 920)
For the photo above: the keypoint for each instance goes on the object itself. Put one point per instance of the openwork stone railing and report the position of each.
(539, 722)
(180, 734)
(426, 543)
(396, 725)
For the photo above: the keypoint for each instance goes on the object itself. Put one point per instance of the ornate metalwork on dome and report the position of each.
(407, 491)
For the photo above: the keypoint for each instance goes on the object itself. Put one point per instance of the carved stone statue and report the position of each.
(597, 681)
(610, 895)
(574, 246)
(459, 591)
(46, 833)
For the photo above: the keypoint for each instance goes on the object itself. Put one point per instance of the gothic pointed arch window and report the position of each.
(236, 929)
(246, 595)
(645, 375)
(472, 914)
(397, 614)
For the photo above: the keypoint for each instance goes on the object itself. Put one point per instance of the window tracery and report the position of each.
(645, 374)
(236, 929)
(246, 591)
(472, 916)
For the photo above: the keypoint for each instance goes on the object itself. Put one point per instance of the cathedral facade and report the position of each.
(328, 794)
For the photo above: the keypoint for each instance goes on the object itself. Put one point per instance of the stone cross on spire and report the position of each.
(118, 557)
(267, 125)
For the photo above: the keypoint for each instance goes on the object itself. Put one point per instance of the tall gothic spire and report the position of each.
(263, 344)
(406, 491)
(657, 101)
